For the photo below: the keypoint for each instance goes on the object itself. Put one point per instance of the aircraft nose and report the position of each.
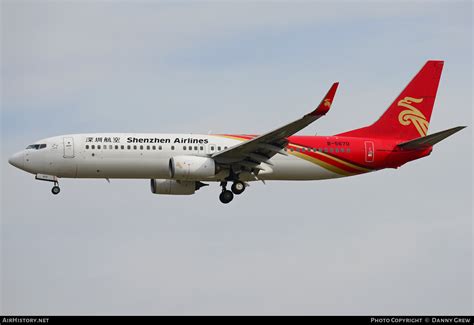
(17, 160)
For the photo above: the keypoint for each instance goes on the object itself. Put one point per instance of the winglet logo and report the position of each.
(413, 115)
(327, 103)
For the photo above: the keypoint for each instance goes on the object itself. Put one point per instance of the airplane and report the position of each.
(180, 164)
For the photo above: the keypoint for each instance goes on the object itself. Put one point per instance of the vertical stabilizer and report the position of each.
(408, 117)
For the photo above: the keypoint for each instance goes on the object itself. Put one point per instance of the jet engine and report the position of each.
(191, 167)
(169, 186)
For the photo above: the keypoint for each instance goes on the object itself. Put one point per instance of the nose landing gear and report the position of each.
(50, 178)
(55, 190)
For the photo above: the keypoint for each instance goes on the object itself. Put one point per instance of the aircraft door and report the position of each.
(68, 147)
(369, 151)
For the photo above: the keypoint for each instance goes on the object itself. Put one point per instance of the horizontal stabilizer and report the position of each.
(429, 140)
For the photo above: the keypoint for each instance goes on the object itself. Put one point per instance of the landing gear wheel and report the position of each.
(226, 196)
(238, 187)
(55, 190)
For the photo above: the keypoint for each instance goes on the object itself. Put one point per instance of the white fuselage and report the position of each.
(147, 156)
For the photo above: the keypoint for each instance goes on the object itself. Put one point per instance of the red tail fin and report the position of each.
(409, 115)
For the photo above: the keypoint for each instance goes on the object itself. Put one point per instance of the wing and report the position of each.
(250, 154)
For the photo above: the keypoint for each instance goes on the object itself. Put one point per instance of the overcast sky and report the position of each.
(390, 242)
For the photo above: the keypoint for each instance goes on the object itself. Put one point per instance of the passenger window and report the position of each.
(348, 150)
(201, 148)
(337, 150)
(104, 147)
(325, 149)
(92, 147)
(331, 150)
(195, 148)
(184, 147)
(141, 147)
(190, 147)
(160, 147)
(122, 147)
(116, 147)
(147, 147)
(342, 149)
(154, 147)
(98, 146)
(219, 148)
(110, 147)
(172, 147)
(212, 148)
(225, 148)
(134, 147)
(291, 149)
(87, 146)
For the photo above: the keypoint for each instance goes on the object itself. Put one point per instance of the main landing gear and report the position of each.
(238, 187)
(226, 196)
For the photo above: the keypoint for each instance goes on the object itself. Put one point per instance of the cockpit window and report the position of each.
(36, 146)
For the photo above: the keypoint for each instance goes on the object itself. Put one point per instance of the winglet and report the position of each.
(325, 104)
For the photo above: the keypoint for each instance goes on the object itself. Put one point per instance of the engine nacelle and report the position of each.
(191, 167)
(170, 186)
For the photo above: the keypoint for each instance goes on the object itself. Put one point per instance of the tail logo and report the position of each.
(327, 102)
(413, 115)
